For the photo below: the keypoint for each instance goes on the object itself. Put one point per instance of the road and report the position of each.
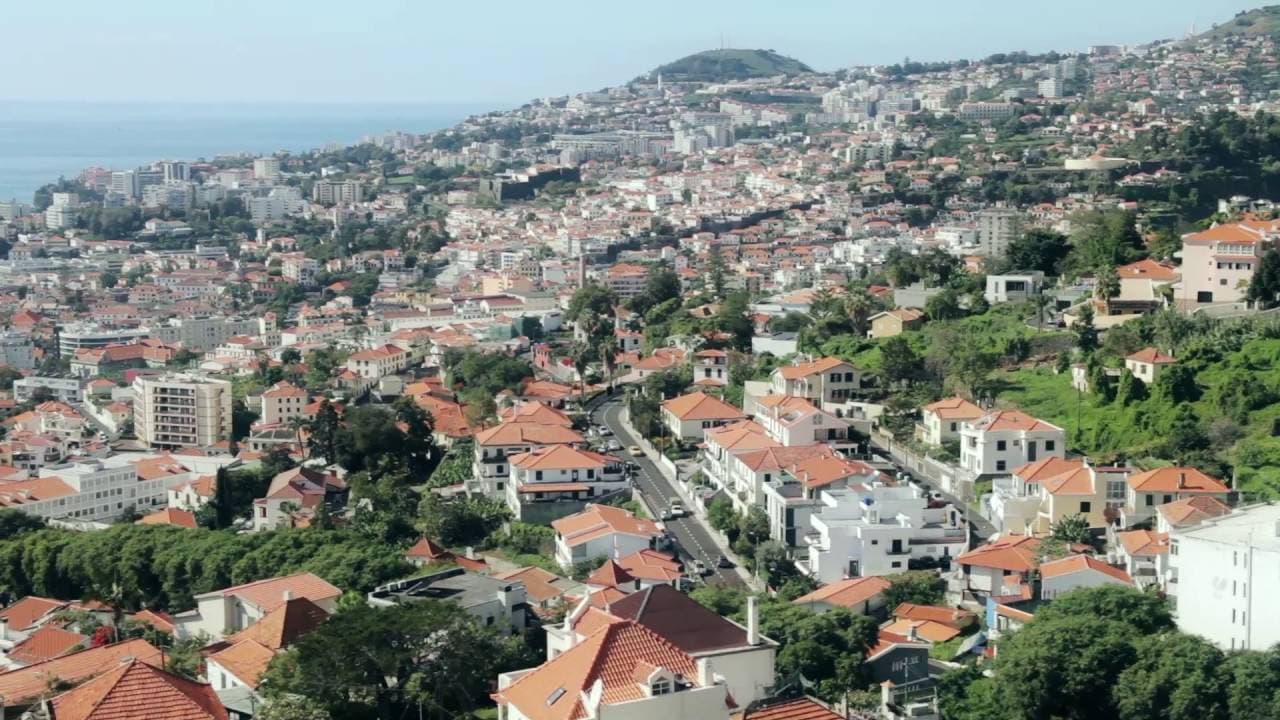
(694, 540)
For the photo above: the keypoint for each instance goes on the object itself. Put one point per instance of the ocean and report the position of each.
(40, 141)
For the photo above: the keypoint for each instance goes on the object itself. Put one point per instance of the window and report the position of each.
(1000, 466)
(660, 686)
(895, 564)
(1086, 507)
(1001, 445)
(537, 475)
(1150, 500)
(1049, 445)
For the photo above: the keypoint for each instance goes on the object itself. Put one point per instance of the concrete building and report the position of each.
(94, 490)
(940, 422)
(17, 351)
(1013, 287)
(496, 446)
(266, 168)
(1160, 486)
(997, 228)
(1038, 495)
(602, 531)
(221, 613)
(83, 335)
(337, 192)
(175, 411)
(1148, 363)
(688, 417)
(492, 601)
(828, 380)
(1225, 578)
(550, 483)
(1218, 263)
(65, 389)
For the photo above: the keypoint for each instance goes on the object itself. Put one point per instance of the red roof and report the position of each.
(25, 685)
(46, 643)
(136, 690)
(794, 709)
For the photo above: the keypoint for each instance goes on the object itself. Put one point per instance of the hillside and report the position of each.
(729, 64)
(1262, 21)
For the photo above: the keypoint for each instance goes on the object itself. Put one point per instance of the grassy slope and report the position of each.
(1262, 21)
(1136, 431)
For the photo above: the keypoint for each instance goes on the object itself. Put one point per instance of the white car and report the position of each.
(677, 509)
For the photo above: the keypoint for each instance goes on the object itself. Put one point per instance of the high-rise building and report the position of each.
(62, 213)
(174, 411)
(1052, 88)
(175, 171)
(266, 168)
(125, 183)
(996, 229)
(330, 192)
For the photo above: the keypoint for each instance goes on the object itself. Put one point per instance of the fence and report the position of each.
(948, 479)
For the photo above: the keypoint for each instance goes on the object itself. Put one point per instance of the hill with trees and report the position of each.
(729, 64)
(1252, 23)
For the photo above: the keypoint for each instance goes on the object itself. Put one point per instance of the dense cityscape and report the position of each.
(737, 390)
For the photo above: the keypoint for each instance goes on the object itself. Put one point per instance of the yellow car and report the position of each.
(635, 451)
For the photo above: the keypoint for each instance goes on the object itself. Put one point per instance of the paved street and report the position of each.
(694, 540)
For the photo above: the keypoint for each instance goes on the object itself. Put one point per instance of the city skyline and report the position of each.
(219, 53)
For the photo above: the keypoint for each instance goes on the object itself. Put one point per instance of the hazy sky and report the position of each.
(508, 51)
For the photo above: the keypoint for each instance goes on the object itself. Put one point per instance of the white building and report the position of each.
(940, 422)
(17, 351)
(1225, 573)
(1002, 440)
(1013, 287)
(182, 410)
(997, 228)
(266, 168)
(602, 531)
(225, 612)
(877, 530)
(378, 362)
(65, 389)
(95, 490)
(343, 192)
(561, 475)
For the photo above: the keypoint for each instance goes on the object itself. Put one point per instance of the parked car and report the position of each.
(724, 563)
(676, 508)
(613, 445)
(605, 431)
(700, 569)
(635, 451)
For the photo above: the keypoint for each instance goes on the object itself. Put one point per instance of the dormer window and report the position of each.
(661, 686)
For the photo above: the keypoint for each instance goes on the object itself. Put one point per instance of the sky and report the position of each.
(509, 51)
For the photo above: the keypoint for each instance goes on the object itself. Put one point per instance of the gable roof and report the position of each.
(25, 685)
(247, 660)
(1016, 553)
(427, 549)
(560, 457)
(611, 655)
(269, 594)
(679, 620)
(138, 690)
(284, 625)
(170, 516)
(25, 612)
(1013, 420)
(1193, 510)
(847, 593)
(1152, 356)
(803, 370)
(46, 643)
(522, 433)
(954, 408)
(651, 565)
(929, 630)
(1144, 543)
(789, 709)
(701, 406)
(1081, 563)
(610, 574)
(954, 617)
(1148, 269)
(600, 520)
(1176, 479)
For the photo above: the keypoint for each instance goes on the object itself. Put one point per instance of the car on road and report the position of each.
(635, 451)
(724, 563)
(700, 569)
(676, 508)
(613, 445)
(604, 431)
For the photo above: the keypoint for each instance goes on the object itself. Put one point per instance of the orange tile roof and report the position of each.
(161, 621)
(651, 565)
(520, 433)
(777, 458)
(1193, 510)
(610, 655)
(1237, 233)
(847, 593)
(269, 594)
(247, 660)
(888, 641)
(15, 493)
(284, 625)
(1152, 356)
(136, 690)
(1148, 268)
(740, 436)
(954, 408)
(535, 412)
(600, 520)
(791, 709)
(25, 685)
(427, 549)
(803, 370)
(170, 516)
(1142, 543)
(1015, 553)
(947, 616)
(25, 612)
(701, 406)
(560, 457)
(934, 632)
(539, 584)
(1014, 420)
(1046, 468)
(1081, 563)
(1176, 479)
(610, 574)
(284, 389)
(45, 644)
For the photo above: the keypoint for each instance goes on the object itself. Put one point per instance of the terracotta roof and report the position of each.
(247, 660)
(25, 685)
(947, 616)
(1150, 269)
(847, 593)
(1176, 479)
(427, 549)
(535, 412)
(802, 370)
(170, 516)
(1193, 510)
(792, 709)
(45, 644)
(1014, 420)
(610, 574)
(651, 565)
(1143, 543)
(268, 594)
(539, 585)
(284, 625)
(954, 408)
(888, 641)
(1016, 553)
(934, 632)
(1046, 468)
(161, 621)
(701, 406)
(610, 655)
(679, 620)
(1081, 563)
(1152, 356)
(560, 457)
(285, 389)
(25, 612)
(137, 690)
(600, 520)
(521, 433)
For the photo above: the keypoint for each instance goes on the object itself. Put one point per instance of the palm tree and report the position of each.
(607, 349)
(581, 353)
(1040, 302)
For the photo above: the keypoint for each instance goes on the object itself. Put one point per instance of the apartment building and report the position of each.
(379, 362)
(173, 411)
(552, 482)
(64, 389)
(1218, 263)
(1147, 490)
(828, 380)
(95, 490)
(283, 402)
(497, 446)
(940, 422)
(1039, 494)
(711, 368)
(337, 192)
(626, 280)
(1224, 571)
(997, 228)
(1002, 440)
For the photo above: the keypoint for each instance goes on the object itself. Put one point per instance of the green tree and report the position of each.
(1072, 529)
(460, 521)
(324, 431)
(1264, 287)
(1085, 332)
(1050, 667)
(722, 516)
(1107, 283)
(715, 263)
(1104, 239)
(590, 299)
(1176, 385)
(1037, 249)
(14, 523)
(1253, 691)
(1174, 677)
(1130, 390)
(964, 693)
(1147, 614)
(1185, 439)
(944, 306)
(899, 362)
(921, 587)
(292, 707)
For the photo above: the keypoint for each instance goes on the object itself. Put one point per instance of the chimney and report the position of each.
(1182, 481)
(753, 621)
(912, 634)
(288, 594)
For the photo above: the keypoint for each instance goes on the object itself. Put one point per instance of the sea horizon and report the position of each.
(42, 140)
